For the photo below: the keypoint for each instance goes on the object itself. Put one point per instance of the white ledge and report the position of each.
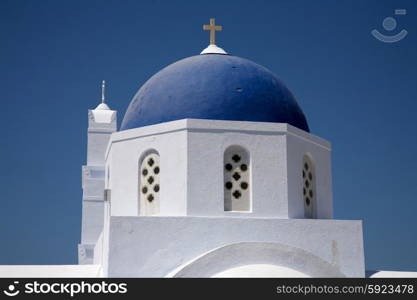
(269, 128)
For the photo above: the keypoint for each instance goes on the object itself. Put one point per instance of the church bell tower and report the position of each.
(102, 122)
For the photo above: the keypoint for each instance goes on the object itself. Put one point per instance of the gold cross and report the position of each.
(213, 28)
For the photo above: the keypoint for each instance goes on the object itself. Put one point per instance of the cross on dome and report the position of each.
(212, 48)
(213, 28)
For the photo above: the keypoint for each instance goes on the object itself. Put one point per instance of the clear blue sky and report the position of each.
(357, 92)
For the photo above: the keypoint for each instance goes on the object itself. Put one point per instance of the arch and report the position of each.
(236, 174)
(246, 254)
(149, 183)
(309, 187)
(259, 270)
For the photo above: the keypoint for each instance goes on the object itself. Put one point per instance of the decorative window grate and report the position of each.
(236, 179)
(149, 188)
(309, 193)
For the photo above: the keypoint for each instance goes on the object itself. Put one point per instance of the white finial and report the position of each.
(103, 105)
(103, 91)
(213, 49)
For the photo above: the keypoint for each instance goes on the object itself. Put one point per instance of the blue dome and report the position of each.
(215, 87)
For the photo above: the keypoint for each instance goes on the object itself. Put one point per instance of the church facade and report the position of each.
(213, 173)
(226, 185)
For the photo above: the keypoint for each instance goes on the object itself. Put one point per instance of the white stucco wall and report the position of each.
(156, 246)
(127, 148)
(299, 143)
(101, 124)
(191, 157)
(207, 142)
(99, 130)
(99, 250)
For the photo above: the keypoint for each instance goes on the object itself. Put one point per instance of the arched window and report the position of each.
(309, 190)
(237, 187)
(149, 184)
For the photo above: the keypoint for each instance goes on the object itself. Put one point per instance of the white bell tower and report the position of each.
(102, 122)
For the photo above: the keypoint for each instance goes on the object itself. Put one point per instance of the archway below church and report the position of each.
(257, 259)
(260, 270)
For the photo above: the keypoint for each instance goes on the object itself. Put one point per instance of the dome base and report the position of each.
(213, 49)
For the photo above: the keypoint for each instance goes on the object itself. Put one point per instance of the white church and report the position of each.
(213, 173)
